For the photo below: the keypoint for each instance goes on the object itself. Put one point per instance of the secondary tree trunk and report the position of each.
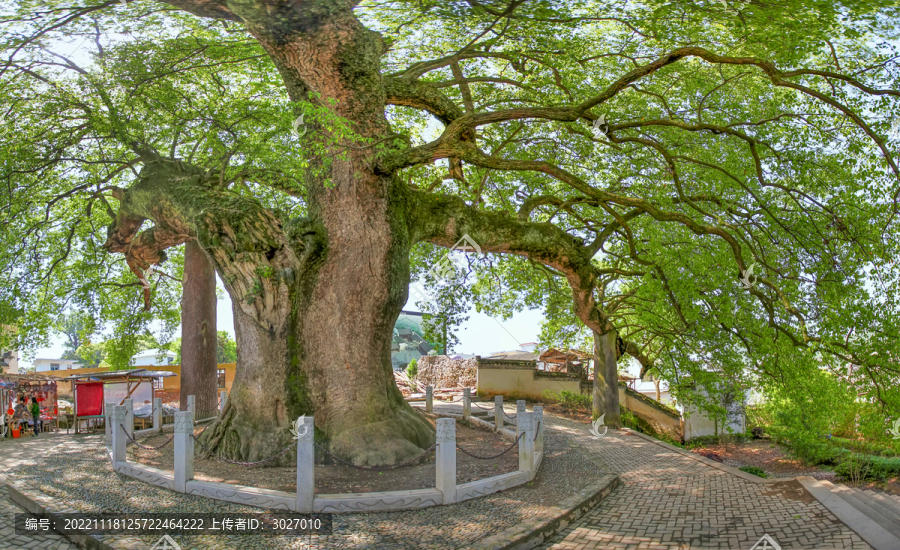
(606, 379)
(198, 332)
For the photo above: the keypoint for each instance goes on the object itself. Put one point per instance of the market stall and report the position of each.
(13, 387)
(93, 391)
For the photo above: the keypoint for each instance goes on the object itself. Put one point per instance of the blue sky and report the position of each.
(480, 335)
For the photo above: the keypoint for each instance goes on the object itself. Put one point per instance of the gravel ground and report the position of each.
(80, 476)
(335, 478)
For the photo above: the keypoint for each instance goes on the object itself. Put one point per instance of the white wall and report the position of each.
(43, 365)
(150, 358)
(12, 362)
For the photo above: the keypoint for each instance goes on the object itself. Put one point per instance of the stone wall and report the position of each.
(442, 372)
(520, 380)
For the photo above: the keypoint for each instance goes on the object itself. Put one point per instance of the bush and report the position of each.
(868, 447)
(412, 370)
(575, 401)
(758, 472)
(857, 467)
(570, 400)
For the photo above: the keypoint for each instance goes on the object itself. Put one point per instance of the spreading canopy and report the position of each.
(650, 156)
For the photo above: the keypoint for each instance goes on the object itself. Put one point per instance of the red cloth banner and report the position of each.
(89, 399)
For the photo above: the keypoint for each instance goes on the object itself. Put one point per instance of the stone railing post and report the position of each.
(306, 455)
(467, 402)
(223, 396)
(539, 426)
(157, 413)
(129, 416)
(445, 459)
(118, 435)
(525, 428)
(498, 412)
(108, 421)
(184, 449)
(192, 406)
(429, 399)
(520, 408)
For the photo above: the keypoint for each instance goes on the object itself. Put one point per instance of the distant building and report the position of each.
(408, 341)
(9, 362)
(45, 365)
(9, 359)
(153, 358)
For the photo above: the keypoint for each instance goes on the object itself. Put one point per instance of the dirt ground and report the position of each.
(766, 455)
(335, 478)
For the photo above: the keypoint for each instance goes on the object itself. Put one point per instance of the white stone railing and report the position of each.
(529, 432)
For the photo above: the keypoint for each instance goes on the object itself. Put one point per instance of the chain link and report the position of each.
(513, 417)
(536, 431)
(131, 440)
(237, 462)
(513, 444)
(377, 468)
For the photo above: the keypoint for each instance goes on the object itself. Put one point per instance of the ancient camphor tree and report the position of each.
(618, 148)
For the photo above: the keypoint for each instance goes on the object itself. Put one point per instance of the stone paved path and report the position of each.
(668, 501)
(19, 452)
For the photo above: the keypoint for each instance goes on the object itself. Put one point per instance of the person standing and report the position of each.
(19, 414)
(36, 415)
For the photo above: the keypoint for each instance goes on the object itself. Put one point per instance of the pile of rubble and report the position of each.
(408, 388)
(442, 372)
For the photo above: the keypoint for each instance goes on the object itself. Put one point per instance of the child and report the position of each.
(36, 415)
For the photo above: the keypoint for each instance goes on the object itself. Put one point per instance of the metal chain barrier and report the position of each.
(513, 444)
(513, 417)
(536, 431)
(239, 463)
(480, 407)
(377, 468)
(131, 440)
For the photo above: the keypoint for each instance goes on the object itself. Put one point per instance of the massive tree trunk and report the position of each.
(198, 332)
(314, 336)
(606, 379)
(315, 299)
(314, 324)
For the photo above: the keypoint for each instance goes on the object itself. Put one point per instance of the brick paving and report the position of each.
(668, 501)
(19, 453)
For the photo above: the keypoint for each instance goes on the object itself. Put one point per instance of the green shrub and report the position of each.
(575, 401)
(802, 415)
(868, 447)
(858, 467)
(703, 441)
(412, 370)
(758, 472)
(569, 400)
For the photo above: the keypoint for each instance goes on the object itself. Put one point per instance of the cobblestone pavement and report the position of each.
(79, 477)
(19, 453)
(668, 501)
